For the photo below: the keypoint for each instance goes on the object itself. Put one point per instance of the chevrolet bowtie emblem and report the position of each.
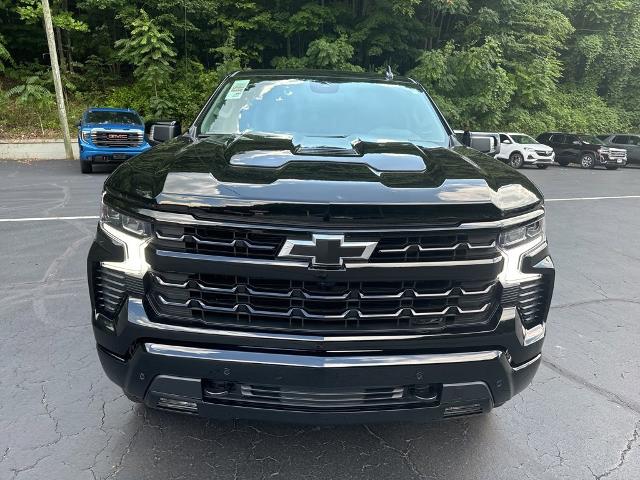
(327, 250)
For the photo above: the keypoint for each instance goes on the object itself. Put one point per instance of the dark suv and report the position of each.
(587, 150)
(318, 247)
(628, 142)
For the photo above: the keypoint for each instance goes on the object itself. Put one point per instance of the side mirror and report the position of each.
(577, 142)
(488, 143)
(161, 131)
(506, 142)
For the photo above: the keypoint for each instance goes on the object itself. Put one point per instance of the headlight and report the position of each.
(112, 217)
(132, 234)
(533, 232)
(86, 135)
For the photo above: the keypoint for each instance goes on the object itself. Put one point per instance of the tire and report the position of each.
(86, 167)
(542, 167)
(612, 167)
(588, 160)
(516, 160)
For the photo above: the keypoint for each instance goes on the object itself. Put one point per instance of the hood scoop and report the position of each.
(377, 162)
(330, 146)
(379, 157)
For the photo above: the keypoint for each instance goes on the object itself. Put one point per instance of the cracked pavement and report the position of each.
(61, 418)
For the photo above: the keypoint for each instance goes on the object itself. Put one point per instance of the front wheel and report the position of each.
(542, 167)
(588, 160)
(516, 160)
(86, 167)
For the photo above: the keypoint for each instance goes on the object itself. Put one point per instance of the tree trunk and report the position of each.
(57, 82)
(63, 62)
(69, 57)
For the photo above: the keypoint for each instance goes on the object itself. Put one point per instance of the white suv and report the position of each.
(518, 150)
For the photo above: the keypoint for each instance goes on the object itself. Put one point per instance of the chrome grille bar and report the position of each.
(408, 292)
(420, 248)
(355, 313)
(232, 243)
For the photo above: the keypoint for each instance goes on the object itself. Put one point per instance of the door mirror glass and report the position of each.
(161, 131)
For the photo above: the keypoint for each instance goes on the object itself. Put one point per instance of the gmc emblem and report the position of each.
(117, 136)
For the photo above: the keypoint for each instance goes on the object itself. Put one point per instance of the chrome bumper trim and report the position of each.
(308, 361)
(527, 364)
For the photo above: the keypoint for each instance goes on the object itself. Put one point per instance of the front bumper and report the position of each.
(533, 158)
(609, 161)
(173, 378)
(89, 152)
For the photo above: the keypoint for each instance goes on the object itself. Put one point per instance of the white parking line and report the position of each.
(45, 219)
(578, 199)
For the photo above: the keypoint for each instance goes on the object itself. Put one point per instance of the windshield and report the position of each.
(129, 118)
(314, 108)
(524, 139)
(591, 139)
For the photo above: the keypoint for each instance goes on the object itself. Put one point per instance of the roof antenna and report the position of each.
(389, 73)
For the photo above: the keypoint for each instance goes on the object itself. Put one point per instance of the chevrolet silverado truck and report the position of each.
(109, 136)
(319, 248)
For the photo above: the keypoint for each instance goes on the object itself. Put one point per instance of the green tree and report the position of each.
(150, 50)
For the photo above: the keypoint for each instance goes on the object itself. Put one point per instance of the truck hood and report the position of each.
(264, 176)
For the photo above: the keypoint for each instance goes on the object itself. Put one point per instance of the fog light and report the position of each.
(180, 405)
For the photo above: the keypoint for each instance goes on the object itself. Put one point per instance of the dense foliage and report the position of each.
(527, 65)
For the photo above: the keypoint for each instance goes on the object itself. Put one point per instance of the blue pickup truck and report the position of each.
(110, 136)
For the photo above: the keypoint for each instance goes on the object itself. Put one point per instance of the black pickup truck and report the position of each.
(318, 247)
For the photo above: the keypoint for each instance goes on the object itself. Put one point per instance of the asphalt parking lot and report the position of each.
(60, 418)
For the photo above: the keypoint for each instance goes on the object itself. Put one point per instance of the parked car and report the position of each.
(518, 150)
(587, 150)
(319, 248)
(110, 136)
(629, 142)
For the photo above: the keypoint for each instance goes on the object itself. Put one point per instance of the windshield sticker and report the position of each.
(236, 89)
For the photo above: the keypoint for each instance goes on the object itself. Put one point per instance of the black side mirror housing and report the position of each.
(159, 131)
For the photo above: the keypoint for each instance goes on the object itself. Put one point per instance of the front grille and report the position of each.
(114, 138)
(543, 153)
(392, 247)
(220, 241)
(617, 154)
(530, 299)
(111, 288)
(322, 399)
(445, 246)
(316, 306)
